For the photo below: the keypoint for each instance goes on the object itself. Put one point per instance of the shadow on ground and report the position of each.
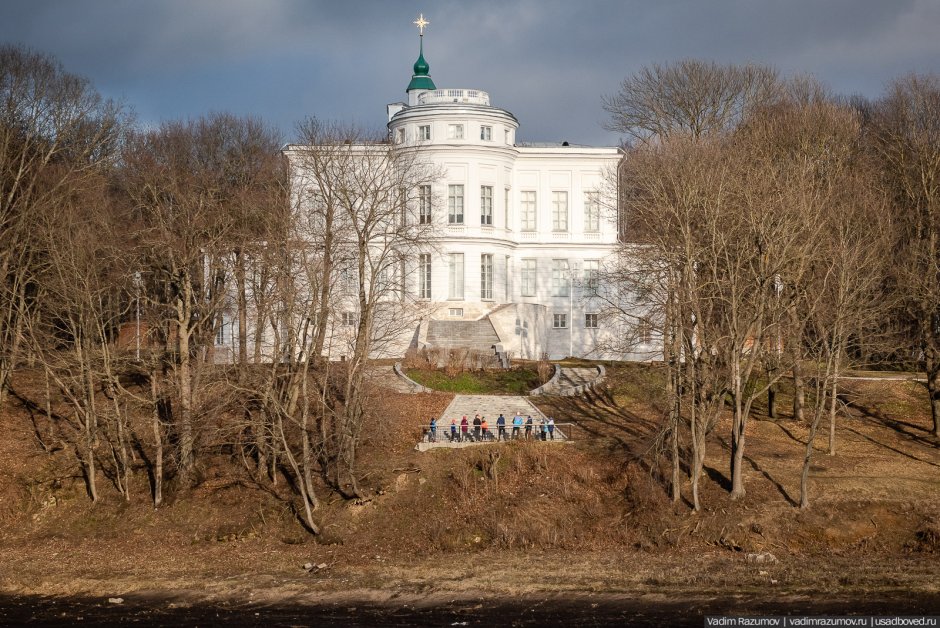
(555, 610)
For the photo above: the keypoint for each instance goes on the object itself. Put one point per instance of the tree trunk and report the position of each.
(807, 459)
(834, 400)
(771, 401)
(933, 388)
(799, 392)
(158, 443)
(8, 363)
(932, 371)
(737, 437)
(184, 375)
(242, 313)
(90, 470)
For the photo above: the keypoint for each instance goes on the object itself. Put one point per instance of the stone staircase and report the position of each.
(476, 335)
(488, 406)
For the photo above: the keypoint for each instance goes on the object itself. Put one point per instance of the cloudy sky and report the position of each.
(546, 61)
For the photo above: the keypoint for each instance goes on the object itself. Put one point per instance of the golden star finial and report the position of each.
(421, 23)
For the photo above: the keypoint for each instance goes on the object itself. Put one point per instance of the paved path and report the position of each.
(488, 406)
(386, 375)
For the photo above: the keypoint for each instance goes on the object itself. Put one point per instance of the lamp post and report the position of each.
(573, 280)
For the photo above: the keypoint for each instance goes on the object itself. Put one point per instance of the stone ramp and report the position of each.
(571, 380)
(489, 406)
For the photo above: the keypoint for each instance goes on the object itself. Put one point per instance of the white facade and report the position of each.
(517, 234)
(521, 233)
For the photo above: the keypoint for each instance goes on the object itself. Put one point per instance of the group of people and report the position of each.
(478, 430)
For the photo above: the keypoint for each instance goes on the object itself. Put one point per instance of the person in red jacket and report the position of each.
(464, 426)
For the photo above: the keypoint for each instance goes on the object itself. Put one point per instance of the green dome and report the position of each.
(421, 79)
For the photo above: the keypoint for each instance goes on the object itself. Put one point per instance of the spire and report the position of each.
(421, 78)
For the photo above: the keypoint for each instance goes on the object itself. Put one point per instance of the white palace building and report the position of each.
(520, 232)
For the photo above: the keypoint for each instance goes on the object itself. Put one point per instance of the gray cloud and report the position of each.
(547, 61)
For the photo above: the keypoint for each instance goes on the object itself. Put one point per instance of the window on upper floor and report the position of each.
(424, 204)
(455, 204)
(590, 321)
(486, 133)
(400, 136)
(508, 214)
(486, 205)
(559, 211)
(592, 212)
(348, 319)
(455, 131)
(424, 132)
(560, 321)
(527, 209)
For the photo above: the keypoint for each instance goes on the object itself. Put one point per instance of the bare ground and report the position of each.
(519, 526)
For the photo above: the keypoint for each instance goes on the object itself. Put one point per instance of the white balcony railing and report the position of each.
(470, 96)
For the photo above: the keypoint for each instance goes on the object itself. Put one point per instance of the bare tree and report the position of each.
(690, 98)
(184, 185)
(341, 272)
(906, 133)
(55, 130)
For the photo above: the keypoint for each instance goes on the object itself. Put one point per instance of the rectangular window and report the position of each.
(644, 332)
(508, 221)
(560, 321)
(385, 280)
(486, 133)
(455, 204)
(590, 321)
(486, 276)
(455, 311)
(591, 276)
(455, 272)
(486, 205)
(528, 277)
(349, 319)
(424, 132)
(527, 206)
(455, 131)
(559, 211)
(424, 204)
(220, 331)
(560, 278)
(400, 136)
(348, 280)
(592, 212)
(424, 276)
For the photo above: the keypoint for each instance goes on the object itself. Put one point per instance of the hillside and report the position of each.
(590, 517)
